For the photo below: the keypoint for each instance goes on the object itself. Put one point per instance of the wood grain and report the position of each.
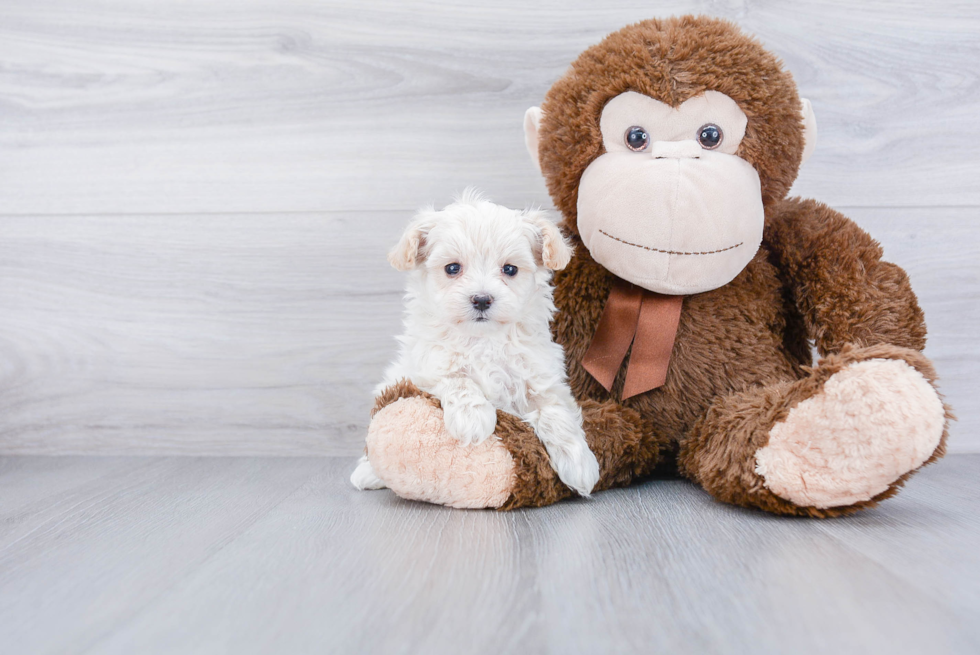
(109, 545)
(194, 334)
(244, 555)
(255, 334)
(196, 198)
(130, 106)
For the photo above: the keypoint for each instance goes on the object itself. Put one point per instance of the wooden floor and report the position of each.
(281, 555)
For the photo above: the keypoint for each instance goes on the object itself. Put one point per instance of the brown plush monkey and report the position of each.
(696, 290)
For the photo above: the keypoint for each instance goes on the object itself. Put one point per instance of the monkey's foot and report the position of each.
(872, 423)
(411, 450)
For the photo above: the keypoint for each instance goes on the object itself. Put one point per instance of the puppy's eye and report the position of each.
(710, 136)
(637, 138)
(509, 270)
(453, 269)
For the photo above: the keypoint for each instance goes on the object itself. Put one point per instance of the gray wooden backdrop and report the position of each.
(196, 197)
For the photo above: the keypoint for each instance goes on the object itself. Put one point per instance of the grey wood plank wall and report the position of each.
(196, 198)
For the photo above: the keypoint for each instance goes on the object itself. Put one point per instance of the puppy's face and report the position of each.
(480, 265)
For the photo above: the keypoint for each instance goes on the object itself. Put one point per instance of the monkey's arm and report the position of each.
(841, 286)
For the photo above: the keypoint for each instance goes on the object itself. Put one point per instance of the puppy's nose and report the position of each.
(482, 303)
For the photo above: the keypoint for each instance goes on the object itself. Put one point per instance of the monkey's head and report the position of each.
(662, 146)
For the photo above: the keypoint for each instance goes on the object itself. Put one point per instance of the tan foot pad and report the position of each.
(872, 423)
(410, 450)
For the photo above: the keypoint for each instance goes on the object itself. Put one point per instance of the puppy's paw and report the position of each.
(364, 477)
(470, 423)
(575, 464)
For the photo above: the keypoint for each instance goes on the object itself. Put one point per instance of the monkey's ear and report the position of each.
(549, 243)
(409, 251)
(809, 130)
(532, 121)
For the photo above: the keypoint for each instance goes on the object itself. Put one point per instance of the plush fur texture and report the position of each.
(671, 217)
(529, 480)
(671, 60)
(722, 452)
(430, 465)
(477, 337)
(741, 361)
(871, 423)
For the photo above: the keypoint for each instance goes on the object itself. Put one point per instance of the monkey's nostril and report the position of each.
(482, 303)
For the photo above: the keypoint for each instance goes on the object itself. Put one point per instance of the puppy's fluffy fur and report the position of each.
(477, 333)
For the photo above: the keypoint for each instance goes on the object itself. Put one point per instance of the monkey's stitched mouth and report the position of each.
(669, 252)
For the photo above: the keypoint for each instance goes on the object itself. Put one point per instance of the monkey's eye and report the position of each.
(637, 138)
(710, 136)
(509, 270)
(452, 269)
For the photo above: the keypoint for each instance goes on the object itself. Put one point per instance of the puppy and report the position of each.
(477, 329)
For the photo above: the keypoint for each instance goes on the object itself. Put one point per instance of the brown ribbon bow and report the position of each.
(645, 319)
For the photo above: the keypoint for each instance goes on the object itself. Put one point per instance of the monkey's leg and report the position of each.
(410, 450)
(842, 439)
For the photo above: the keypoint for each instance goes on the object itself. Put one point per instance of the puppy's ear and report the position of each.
(547, 240)
(409, 251)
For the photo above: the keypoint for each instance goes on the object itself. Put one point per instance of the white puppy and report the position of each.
(477, 333)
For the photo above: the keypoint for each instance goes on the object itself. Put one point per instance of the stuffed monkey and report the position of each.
(696, 291)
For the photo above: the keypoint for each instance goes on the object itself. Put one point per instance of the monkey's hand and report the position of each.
(413, 451)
